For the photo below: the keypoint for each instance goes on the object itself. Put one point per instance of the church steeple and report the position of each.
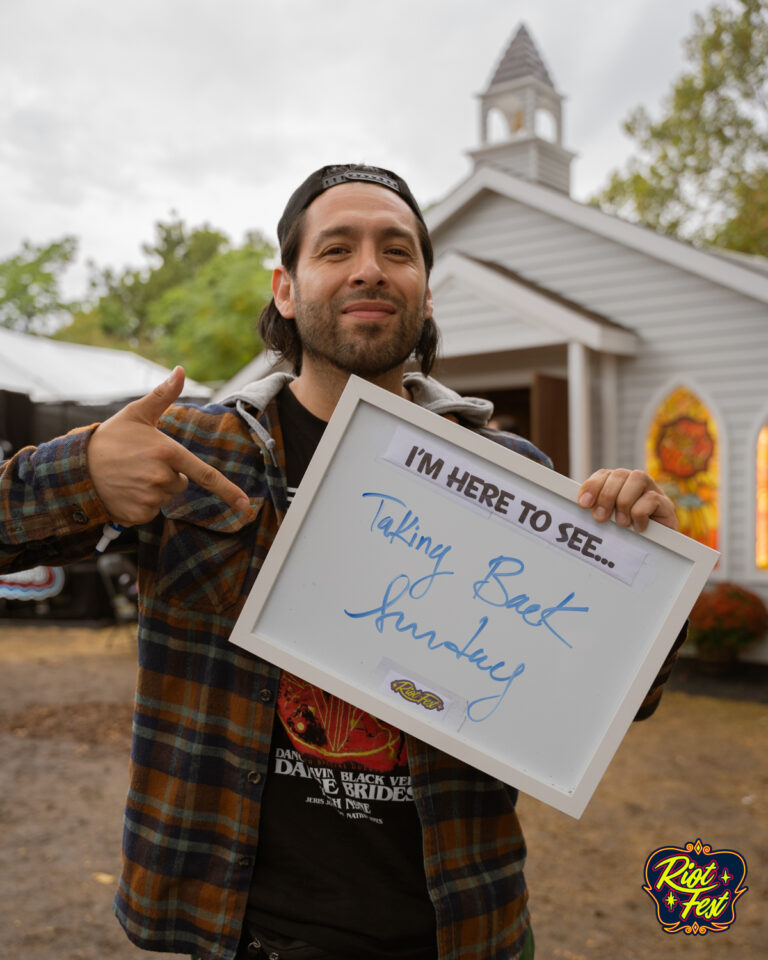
(521, 60)
(522, 93)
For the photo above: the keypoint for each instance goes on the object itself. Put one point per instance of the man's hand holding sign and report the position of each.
(634, 496)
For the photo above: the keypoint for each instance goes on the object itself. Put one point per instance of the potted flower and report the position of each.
(725, 620)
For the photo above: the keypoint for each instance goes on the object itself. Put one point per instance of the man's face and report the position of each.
(359, 294)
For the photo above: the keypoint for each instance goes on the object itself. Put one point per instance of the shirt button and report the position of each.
(265, 695)
(245, 861)
(254, 776)
(80, 516)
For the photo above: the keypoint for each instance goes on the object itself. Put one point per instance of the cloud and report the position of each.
(118, 113)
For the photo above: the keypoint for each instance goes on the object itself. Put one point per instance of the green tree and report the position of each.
(702, 169)
(124, 299)
(208, 323)
(30, 295)
(197, 304)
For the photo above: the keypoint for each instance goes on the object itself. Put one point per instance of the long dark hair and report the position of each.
(280, 335)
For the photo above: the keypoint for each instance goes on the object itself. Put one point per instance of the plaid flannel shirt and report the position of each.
(204, 708)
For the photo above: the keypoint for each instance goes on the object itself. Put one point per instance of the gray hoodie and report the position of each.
(425, 391)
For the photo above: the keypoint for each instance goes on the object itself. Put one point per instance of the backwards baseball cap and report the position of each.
(327, 177)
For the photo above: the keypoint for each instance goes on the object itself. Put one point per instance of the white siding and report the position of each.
(691, 331)
(554, 167)
(470, 325)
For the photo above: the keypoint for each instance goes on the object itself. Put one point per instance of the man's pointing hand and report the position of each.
(136, 469)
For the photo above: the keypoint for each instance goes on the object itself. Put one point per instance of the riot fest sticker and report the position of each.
(695, 888)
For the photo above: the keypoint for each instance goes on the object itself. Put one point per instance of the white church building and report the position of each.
(604, 342)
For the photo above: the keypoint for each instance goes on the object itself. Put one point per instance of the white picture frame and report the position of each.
(493, 618)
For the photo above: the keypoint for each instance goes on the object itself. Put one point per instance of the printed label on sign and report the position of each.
(561, 524)
(424, 697)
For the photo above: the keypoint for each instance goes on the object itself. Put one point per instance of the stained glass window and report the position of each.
(761, 505)
(682, 456)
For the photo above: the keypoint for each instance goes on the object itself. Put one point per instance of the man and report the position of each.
(225, 852)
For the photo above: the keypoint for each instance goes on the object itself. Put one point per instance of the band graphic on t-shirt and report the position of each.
(356, 761)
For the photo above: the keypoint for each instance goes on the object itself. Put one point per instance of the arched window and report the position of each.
(761, 500)
(497, 126)
(546, 125)
(682, 456)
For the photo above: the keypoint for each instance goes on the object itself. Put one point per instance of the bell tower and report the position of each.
(521, 119)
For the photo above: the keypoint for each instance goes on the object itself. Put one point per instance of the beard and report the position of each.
(368, 348)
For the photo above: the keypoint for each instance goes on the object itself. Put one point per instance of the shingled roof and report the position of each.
(521, 59)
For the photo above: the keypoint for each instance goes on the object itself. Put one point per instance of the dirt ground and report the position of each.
(697, 769)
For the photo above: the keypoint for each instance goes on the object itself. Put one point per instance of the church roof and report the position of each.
(728, 271)
(546, 292)
(521, 59)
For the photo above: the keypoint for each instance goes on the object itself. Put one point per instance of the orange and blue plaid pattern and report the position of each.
(204, 708)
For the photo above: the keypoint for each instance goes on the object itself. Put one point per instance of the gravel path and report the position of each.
(696, 770)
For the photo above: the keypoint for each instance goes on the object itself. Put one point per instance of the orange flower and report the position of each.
(727, 617)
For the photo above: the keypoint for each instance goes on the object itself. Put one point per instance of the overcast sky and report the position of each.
(112, 115)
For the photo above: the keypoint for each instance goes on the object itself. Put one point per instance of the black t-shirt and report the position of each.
(340, 862)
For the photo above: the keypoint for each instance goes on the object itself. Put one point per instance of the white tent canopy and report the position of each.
(53, 370)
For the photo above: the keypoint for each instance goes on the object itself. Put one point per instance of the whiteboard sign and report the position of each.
(454, 589)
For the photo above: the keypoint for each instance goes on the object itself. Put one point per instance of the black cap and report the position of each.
(327, 177)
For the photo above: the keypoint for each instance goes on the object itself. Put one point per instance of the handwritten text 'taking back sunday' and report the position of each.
(397, 523)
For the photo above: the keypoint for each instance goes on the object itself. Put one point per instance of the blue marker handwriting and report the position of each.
(492, 590)
(403, 526)
(479, 709)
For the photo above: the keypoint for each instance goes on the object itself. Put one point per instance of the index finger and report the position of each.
(208, 477)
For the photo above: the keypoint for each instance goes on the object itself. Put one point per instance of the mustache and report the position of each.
(358, 295)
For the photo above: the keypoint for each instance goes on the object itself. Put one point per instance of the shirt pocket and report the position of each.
(205, 555)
